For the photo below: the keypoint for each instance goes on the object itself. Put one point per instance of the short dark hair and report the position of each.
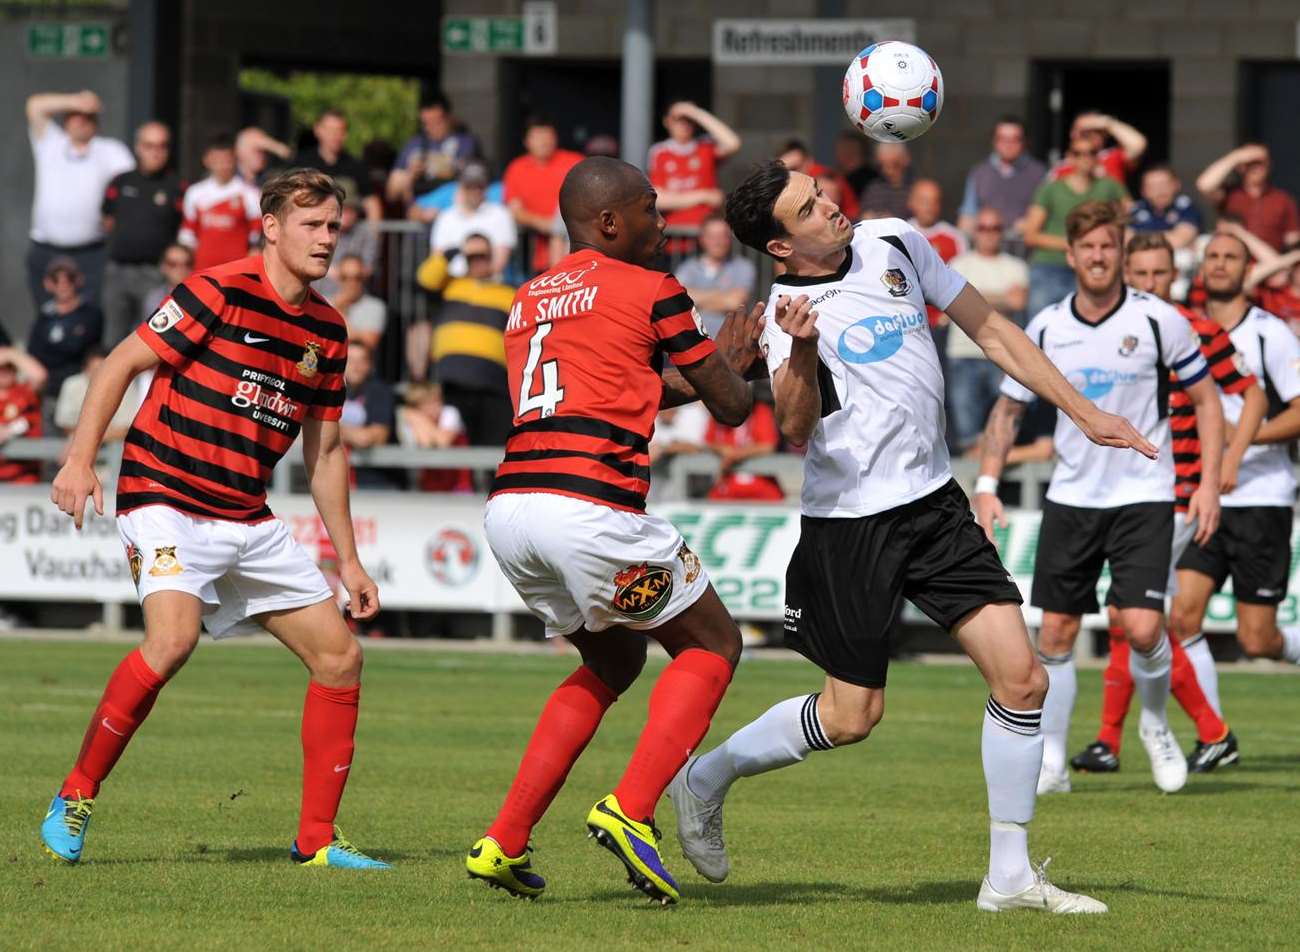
(1010, 120)
(792, 145)
(1164, 167)
(749, 207)
(435, 101)
(1149, 241)
(475, 236)
(537, 119)
(331, 112)
(304, 188)
(222, 140)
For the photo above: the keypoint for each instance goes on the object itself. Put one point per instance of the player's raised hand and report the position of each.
(988, 512)
(796, 317)
(363, 593)
(738, 341)
(74, 484)
(1107, 429)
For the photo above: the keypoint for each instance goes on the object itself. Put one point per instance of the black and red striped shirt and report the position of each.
(1232, 377)
(241, 369)
(585, 343)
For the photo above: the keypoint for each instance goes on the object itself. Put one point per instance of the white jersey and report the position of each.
(1271, 351)
(1122, 364)
(879, 443)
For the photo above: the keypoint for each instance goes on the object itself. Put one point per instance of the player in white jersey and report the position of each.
(1118, 346)
(1253, 544)
(856, 377)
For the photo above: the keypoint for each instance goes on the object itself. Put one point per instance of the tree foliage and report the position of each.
(377, 107)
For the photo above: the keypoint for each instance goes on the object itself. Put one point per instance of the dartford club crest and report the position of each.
(896, 282)
(165, 561)
(134, 559)
(1128, 345)
(310, 362)
(690, 562)
(642, 592)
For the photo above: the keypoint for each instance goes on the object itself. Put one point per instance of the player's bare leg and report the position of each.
(320, 638)
(171, 630)
(995, 638)
(1056, 638)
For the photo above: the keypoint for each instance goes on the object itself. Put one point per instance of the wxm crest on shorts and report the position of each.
(896, 282)
(641, 592)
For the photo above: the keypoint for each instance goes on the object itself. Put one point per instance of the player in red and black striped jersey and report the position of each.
(246, 356)
(1149, 266)
(585, 348)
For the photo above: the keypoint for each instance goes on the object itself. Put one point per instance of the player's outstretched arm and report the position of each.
(1203, 507)
(738, 344)
(327, 473)
(1007, 346)
(76, 479)
(724, 392)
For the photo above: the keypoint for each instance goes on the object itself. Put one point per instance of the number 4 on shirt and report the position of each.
(552, 394)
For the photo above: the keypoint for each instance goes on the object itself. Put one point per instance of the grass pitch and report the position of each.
(881, 846)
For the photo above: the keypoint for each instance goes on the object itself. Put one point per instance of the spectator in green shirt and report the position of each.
(1050, 277)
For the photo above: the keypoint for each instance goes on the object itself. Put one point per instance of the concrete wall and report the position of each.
(985, 47)
(20, 76)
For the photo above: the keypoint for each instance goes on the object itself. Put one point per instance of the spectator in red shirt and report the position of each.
(925, 201)
(796, 157)
(1114, 161)
(1275, 286)
(532, 185)
(757, 436)
(1266, 210)
(684, 167)
(222, 213)
(20, 416)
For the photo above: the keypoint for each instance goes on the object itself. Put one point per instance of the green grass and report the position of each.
(880, 846)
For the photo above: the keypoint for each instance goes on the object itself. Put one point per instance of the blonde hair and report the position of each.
(1093, 214)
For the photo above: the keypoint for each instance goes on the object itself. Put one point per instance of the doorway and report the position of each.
(1267, 113)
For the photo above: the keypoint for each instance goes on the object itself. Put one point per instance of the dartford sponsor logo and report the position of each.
(1095, 382)
(792, 616)
(878, 338)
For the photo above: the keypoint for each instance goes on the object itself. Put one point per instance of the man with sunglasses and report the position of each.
(73, 164)
(1003, 279)
(142, 215)
(1266, 210)
(1050, 277)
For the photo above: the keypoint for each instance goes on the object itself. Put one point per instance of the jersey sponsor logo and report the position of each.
(896, 282)
(1128, 345)
(878, 338)
(690, 562)
(1095, 382)
(642, 592)
(166, 317)
(792, 616)
(135, 560)
(310, 360)
(165, 561)
(251, 393)
(560, 281)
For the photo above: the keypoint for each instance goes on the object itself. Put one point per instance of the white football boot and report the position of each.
(1040, 895)
(1168, 765)
(699, 828)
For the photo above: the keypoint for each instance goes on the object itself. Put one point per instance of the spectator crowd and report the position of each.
(114, 229)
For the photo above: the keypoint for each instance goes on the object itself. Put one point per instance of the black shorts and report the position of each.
(848, 577)
(1074, 543)
(1253, 545)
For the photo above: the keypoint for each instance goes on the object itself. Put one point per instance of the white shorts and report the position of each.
(236, 570)
(1183, 532)
(577, 563)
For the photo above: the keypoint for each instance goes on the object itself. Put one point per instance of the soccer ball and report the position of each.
(893, 91)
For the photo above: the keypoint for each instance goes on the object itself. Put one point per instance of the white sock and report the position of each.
(1207, 676)
(1012, 750)
(1291, 644)
(1151, 678)
(781, 736)
(1062, 686)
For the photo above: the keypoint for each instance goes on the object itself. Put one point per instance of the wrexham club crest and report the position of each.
(641, 592)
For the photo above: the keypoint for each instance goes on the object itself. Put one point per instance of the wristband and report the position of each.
(986, 484)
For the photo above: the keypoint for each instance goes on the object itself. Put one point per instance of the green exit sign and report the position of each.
(483, 34)
(67, 40)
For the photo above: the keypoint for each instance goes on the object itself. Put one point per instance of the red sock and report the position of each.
(568, 722)
(1117, 691)
(1187, 691)
(681, 706)
(329, 723)
(128, 697)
